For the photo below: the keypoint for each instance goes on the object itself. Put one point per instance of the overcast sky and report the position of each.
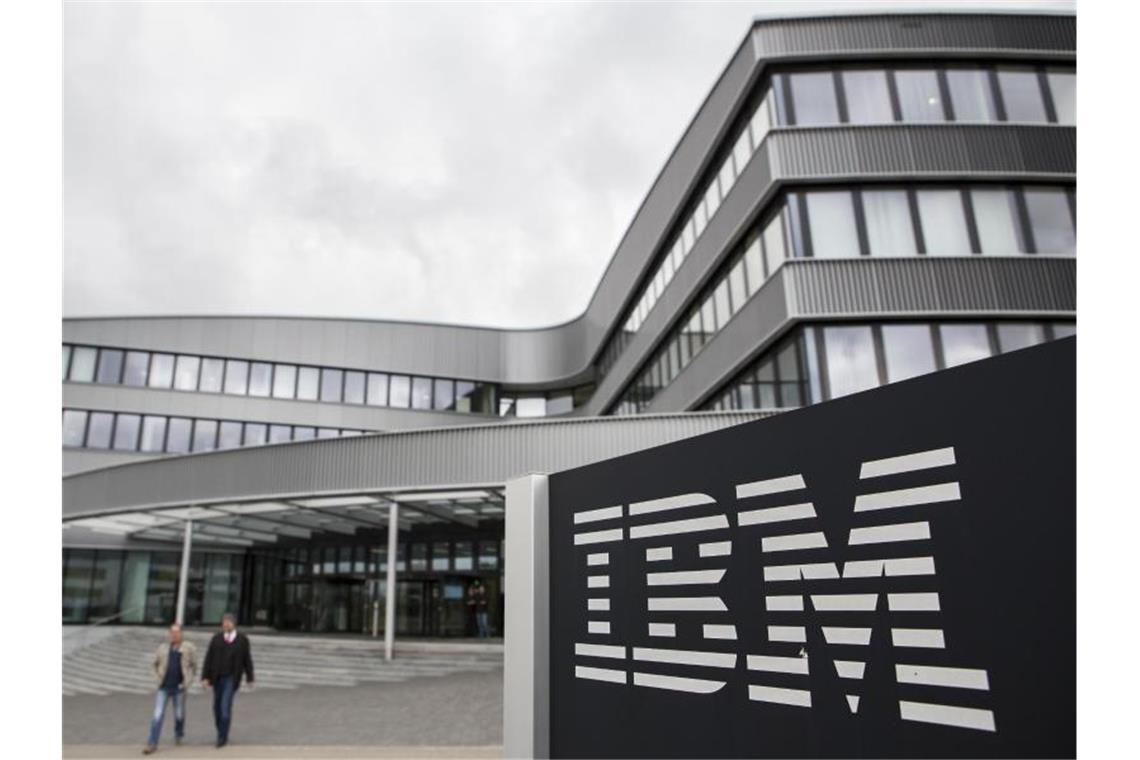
(449, 163)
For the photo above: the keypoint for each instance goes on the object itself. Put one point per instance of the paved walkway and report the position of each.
(321, 698)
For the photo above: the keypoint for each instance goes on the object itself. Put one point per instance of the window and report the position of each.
(1050, 220)
(205, 435)
(74, 427)
(995, 212)
(832, 221)
(212, 372)
(908, 350)
(1021, 93)
(419, 557)
(444, 394)
(722, 305)
(178, 435)
(440, 555)
(488, 555)
(791, 393)
(308, 383)
(327, 433)
(153, 434)
(332, 384)
(963, 343)
(850, 354)
(110, 366)
(280, 433)
(560, 404)
(464, 555)
(99, 427)
(919, 96)
(377, 389)
(971, 95)
(354, 387)
(186, 373)
(229, 435)
(754, 265)
(1063, 87)
(1013, 336)
(237, 377)
(761, 120)
(66, 360)
(741, 152)
(943, 223)
(400, 391)
(890, 231)
(255, 433)
(304, 433)
(161, 371)
(127, 432)
(421, 393)
(813, 98)
(284, 381)
(260, 377)
(135, 368)
(868, 98)
(774, 243)
(530, 406)
(736, 286)
(83, 364)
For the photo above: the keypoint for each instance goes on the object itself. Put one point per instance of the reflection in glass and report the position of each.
(229, 435)
(127, 432)
(919, 96)
(943, 223)
(464, 555)
(135, 368)
(211, 379)
(308, 383)
(161, 371)
(332, 384)
(1050, 220)
(868, 99)
(440, 556)
(237, 377)
(260, 374)
(832, 220)
(83, 364)
(963, 343)
(377, 389)
(280, 433)
(255, 433)
(995, 211)
(205, 435)
(110, 366)
(284, 381)
(890, 231)
(354, 387)
(186, 373)
(971, 95)
(908, 350)
(304, 433)
(850, 353)
(99, 425)
(1016, 335)
(1021, 93)
(1063, 87)
(153, 434)
(444, 394)
(178, 435)
(813, 98)
(400, 391)
(421, 393)
(74, 427)
(530, 406)
(327, 432)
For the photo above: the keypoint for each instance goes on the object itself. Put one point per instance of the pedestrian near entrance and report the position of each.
(228, 660)
(175, 666)
(477, 601)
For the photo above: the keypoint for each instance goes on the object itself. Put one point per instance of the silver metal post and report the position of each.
(390, 583)
(184, 576)
(526, 650)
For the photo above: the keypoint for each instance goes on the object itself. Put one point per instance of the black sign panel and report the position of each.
(889, 574)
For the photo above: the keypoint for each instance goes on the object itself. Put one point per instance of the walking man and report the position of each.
(175, 665)
(477, 599)
(227, 660)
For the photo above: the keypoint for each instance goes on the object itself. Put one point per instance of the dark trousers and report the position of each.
(224, 689)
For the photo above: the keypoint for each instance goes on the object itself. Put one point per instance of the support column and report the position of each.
(390, 583)
(184, 576)
(526, 638)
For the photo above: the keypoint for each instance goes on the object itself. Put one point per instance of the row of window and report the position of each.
(872, 220)
(821, 362)
(158, 434)
(114, 366)
(860, 95)
(440, 555)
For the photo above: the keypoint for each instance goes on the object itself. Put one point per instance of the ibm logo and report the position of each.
(679, 549)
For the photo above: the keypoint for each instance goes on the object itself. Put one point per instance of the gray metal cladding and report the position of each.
(892, 33)
(917, 287)
(454, 457)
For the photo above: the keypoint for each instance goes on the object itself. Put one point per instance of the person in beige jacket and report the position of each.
(175, 667)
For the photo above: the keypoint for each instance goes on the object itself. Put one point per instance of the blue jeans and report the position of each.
(160, 700)
(224, 688)
(484, 628)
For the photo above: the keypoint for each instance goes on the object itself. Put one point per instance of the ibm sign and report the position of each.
(888, 574)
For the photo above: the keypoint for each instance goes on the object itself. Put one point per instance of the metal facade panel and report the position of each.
(488, 455)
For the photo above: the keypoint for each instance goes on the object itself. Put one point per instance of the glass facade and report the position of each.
(820, 362)
(884, 220)
(856, 94)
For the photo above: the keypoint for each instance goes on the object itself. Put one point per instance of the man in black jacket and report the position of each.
(227, 660)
